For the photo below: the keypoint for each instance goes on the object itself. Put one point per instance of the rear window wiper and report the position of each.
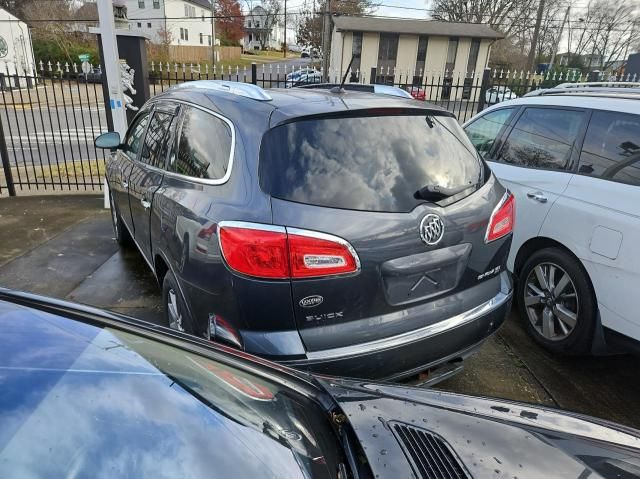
(435, 193)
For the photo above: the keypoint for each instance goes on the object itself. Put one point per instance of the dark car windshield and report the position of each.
(371, 163)
(80, 401)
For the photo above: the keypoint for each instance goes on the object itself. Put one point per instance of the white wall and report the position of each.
(173, 17)
(19, 58)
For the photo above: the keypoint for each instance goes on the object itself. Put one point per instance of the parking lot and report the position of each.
(63, 246)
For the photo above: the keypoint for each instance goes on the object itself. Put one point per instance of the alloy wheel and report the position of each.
(551, 301)
(175, 316)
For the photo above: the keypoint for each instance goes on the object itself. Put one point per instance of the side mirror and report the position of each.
(108, 141)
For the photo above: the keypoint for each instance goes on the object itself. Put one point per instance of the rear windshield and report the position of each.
(373, 163)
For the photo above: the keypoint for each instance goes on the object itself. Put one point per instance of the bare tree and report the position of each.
(50, 20)
(613, 31)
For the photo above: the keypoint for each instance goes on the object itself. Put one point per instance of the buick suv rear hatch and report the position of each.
(392, 210)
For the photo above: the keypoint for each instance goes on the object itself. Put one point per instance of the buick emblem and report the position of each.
(431, 229)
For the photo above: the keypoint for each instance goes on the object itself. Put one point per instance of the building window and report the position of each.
(186, 10)
(421, 58)
(473, 57)
(209, 40)
(356, 51)
(156, 4)
(387, 55)
(184, 34)
(139, 25)
(249, 23)
(149, 25)
(452, 52)
(201, 39)
(257, 24)
(140, 3)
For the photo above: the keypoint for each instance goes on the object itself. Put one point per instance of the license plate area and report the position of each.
(424, 275)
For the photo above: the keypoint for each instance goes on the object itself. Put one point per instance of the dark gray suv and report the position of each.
(348, 233)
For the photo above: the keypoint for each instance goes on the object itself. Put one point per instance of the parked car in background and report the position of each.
(93, 391)
(497, 94)
(295, 75)
(326, 215)
(312, 76)
(93, 76)
(417, 92)
(571, 157)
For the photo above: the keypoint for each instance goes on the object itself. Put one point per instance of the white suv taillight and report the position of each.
(502, 219)
(265, 251)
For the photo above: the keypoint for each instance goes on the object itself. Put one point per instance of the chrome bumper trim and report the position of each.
(412, 336)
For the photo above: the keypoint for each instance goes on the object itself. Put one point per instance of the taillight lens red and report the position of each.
(502, 220)
(270, 254)
(255, 252)
(310, 257)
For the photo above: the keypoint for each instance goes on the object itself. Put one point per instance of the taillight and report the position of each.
(255, 252)
(265, 251)
(315, 254)
(502, 219)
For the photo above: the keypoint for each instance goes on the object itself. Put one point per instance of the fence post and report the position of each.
(484, 86)
(254, 73)
(5, 162)
(372, 80)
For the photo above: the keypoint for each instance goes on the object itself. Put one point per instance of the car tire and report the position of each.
(120, 231)
(556, 302)
(175, 310)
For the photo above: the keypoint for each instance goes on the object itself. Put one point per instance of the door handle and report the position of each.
(145, 204)
(538, 196)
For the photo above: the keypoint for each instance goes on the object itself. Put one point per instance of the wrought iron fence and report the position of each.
(50, 115)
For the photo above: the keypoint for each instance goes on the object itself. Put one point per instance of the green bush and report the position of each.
(46, 50)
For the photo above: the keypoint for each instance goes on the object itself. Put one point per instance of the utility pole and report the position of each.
(284, 50)
(326, 41)
(213, 33)
(557, 43)
(112, 71)
(536, 33)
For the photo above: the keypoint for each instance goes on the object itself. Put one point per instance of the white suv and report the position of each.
(571, 157)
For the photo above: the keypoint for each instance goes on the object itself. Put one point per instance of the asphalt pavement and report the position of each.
(63, 246)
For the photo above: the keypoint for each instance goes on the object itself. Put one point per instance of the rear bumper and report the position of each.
(406, 354)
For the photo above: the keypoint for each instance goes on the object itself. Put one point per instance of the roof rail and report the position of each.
(633, 91)
(247, 90)
(612, 84)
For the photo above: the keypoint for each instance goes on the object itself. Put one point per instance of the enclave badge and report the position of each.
(311, 301)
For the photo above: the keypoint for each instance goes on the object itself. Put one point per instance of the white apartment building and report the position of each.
(184, 22)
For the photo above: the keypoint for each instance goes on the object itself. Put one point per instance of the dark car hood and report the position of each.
(487, 437)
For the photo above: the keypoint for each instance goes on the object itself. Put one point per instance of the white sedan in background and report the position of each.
(498, 94)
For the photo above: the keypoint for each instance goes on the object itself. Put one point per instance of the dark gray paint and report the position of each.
(267, 313)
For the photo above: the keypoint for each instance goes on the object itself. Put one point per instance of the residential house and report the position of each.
(176, 22)
(16, 52)
(263, 30)
(411, 51)
(592, 61)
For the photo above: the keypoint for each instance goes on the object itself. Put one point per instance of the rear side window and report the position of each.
(375, 163)
(204, 149)
(156, 142)
(484, 131)
(542, 138)
(611, 147)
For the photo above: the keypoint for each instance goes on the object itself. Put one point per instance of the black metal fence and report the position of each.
(50, 116)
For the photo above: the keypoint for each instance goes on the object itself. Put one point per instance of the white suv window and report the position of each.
(542, 138)
(484, 131)
(611, 147)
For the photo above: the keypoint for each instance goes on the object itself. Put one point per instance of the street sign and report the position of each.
(86, 67)
(84, 57)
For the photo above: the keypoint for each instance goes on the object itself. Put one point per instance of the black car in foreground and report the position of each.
(346, 232)
(85, 393)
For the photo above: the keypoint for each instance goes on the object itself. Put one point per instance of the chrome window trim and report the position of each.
(399, 340)
(205, 181)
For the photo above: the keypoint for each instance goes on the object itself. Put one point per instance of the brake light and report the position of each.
(265, 251)
(255, 252)
(502, 219)
(312, 256)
